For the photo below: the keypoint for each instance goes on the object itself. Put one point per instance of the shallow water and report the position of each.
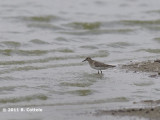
(42, 44)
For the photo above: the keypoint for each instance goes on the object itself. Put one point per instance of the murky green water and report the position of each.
(43, 42)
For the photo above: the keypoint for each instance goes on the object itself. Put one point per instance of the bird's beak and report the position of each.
(84, 60)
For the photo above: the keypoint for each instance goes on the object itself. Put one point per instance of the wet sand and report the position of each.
(152, 113)
(152, 66)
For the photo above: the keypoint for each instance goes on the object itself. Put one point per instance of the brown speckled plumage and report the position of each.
(97, 65)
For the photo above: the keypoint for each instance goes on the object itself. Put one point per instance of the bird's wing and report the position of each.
(100, 64)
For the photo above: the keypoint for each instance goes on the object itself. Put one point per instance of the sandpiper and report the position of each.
(97, 65)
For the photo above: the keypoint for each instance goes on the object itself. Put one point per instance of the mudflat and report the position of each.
(152, 66)
(152, 113)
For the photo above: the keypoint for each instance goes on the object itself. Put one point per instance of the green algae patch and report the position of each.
(66, 50)
(81, 92)
(38, 41)
(141, 22)
(25, 98)
(85, 25)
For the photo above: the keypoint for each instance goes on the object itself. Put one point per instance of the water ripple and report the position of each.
(22, 99)
(47, 59)
(45, 18)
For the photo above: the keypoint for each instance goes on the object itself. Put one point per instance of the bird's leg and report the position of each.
(98, 71)
(101, 71)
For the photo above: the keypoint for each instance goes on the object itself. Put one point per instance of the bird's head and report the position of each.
(87, 59)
